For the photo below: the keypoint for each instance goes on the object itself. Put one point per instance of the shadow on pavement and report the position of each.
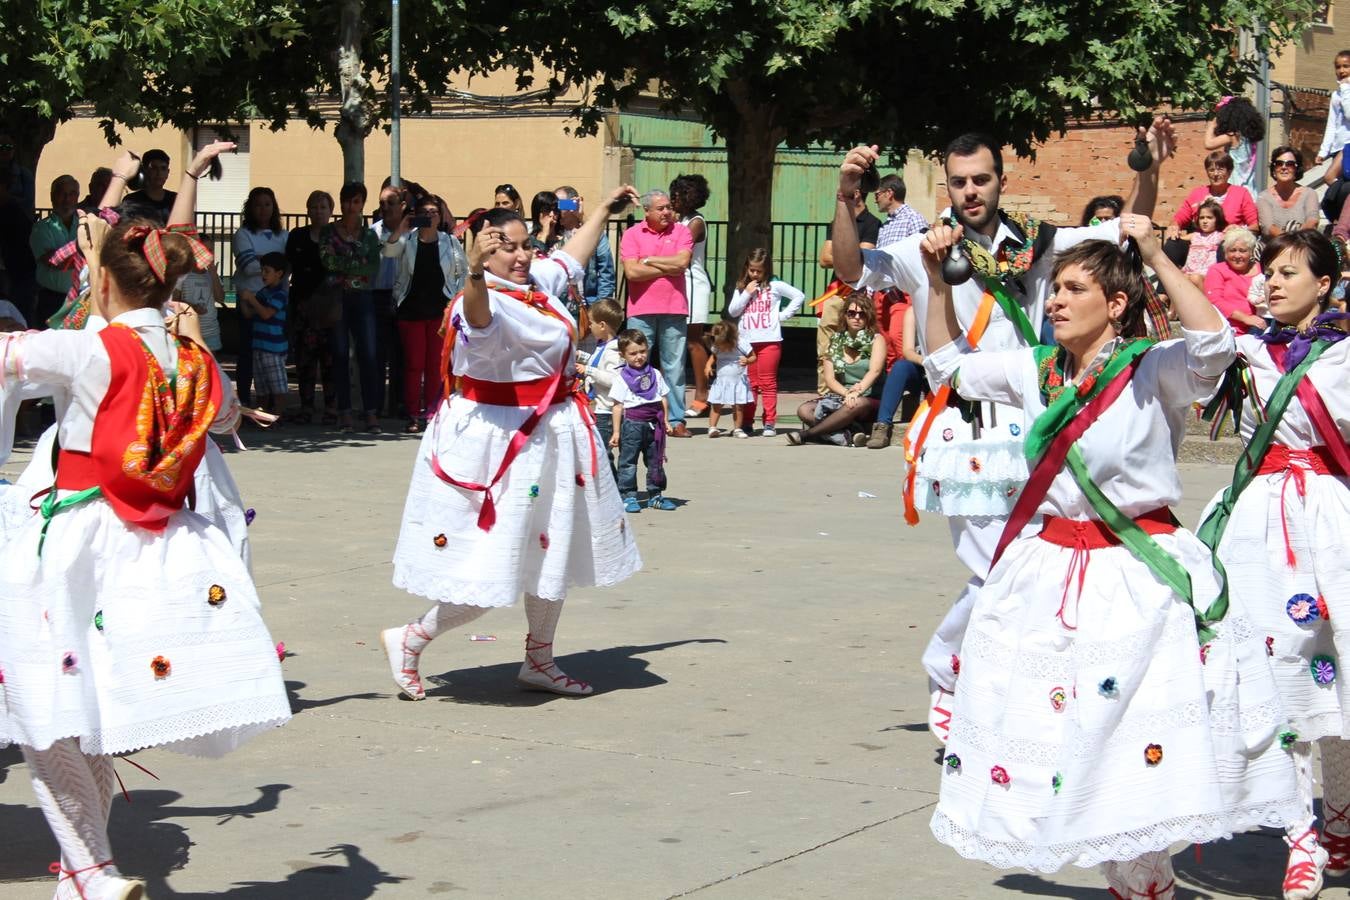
(292, 438)
(300, 704)
(615, 669)
(1249, 865)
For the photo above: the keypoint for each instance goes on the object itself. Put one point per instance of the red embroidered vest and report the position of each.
(149, 433)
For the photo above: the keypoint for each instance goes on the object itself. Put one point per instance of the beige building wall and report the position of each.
(1307, 62)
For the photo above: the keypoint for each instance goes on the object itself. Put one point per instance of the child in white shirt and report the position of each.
(601, 366)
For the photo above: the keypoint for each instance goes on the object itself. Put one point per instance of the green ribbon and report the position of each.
(51, 506)
(1249, 463)
(1066, 406)
(1141, 544)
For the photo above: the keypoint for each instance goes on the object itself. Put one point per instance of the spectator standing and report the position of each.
(49, 235)
(1337, 133)
(760, 305)
(545, 225)
(656, 252)
(601, 366)
(431, 271)
(152, 201)
(1286, 205)
(688, 195)
(267, 308)
(313, 345)
(640, 412)
(98, 186)
(205, 294)
(1228, 284)
(395, 204)
(1237, 127)
(1102, 209)
(599, 280)
(901, 220)
(505, 196)
(832, 310)
(351, 255)
(18, 180)
(16, 252)
(259, 233)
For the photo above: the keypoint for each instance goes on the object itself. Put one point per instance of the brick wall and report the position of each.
(1090, 160)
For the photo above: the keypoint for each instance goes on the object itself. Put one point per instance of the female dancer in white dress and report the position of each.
(127, 620)
(1091, 724)
(510, 493)
(1281, 530)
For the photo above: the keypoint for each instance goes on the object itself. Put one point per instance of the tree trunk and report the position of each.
(751, 146)
(354, 121)
(32, 133)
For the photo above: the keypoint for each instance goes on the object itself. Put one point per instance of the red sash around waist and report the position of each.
(515, 393)
(1082, 536)
(1295, 464)
(1318, 460)
(1092, 534)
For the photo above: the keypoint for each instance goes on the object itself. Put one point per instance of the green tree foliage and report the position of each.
(905, 74)
(138, 62)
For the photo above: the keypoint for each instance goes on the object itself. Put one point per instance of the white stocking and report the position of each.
(436, 621)
(75, 795)
(539, 671)
(1147, 877)
(1335, 784)
(1301, 752)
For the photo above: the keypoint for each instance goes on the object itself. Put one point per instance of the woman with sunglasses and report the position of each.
(431, 270)
(853, 365)
(1286, 205)
(505, 196)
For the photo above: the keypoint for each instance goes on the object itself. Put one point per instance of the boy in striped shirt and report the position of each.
(267, 311)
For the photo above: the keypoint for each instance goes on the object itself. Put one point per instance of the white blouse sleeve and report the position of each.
(1189, 369)
(554, 273)
(44, 357)
(899, 265)
(995, 377)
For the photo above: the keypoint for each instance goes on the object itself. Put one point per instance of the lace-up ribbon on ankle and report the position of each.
(69, 874)
(567, 681)
(1338, 845)
(1302, 875)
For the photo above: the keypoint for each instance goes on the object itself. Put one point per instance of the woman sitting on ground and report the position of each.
(852, 369)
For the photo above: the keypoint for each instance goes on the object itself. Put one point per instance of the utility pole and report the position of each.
(395, 150)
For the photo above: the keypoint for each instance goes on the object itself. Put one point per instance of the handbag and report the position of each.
(323, 307)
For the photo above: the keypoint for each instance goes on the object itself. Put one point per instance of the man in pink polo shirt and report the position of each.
(655, 254)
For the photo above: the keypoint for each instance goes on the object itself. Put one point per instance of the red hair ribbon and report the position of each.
(153, 247)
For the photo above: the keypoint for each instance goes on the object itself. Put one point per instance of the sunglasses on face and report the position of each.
(1286, 163)
(6, 148)
(853, 314)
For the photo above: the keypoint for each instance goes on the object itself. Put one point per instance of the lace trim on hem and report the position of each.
(1198, 829)
(189, 733)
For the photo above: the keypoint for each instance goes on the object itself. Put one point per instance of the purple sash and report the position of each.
(654, 415)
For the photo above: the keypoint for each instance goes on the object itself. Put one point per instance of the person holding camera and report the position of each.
(431, 267)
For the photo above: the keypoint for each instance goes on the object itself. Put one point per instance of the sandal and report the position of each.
(345, 424)
(372, 425)
(413, 427)
(794, 438)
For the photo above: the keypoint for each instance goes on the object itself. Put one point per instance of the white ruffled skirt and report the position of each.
(1118, 737)
(559, 524)
(959, 474)
(128, 639)
(1259, 575)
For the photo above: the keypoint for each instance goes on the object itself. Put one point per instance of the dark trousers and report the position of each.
(243, 365)
(637, 438)
(388, 352)
(357, 329)
(49, 303)
(604, 423)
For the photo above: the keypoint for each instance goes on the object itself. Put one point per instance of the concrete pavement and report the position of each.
(757, 729)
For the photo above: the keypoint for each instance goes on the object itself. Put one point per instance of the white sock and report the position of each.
(436, 621)
(69, 788)
(1301, 753)
(1149, 875)
(542, 616)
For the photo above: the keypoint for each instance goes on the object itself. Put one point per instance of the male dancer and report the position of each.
(968, 464)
